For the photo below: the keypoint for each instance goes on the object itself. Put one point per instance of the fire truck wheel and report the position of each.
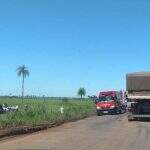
(99, 113)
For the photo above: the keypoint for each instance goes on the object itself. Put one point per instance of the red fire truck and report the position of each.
(110, 102)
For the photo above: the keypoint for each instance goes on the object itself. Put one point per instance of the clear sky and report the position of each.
(67, 44)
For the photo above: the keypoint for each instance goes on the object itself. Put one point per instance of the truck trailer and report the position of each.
(138, 95)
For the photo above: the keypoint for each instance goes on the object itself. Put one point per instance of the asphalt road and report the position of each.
(95, 133)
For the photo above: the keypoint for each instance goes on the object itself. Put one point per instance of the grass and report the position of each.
(44, 111)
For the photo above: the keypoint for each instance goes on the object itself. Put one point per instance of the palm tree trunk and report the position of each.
(81, 97)
(22, 87)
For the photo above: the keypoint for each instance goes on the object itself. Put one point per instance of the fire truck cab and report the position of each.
(110, 102)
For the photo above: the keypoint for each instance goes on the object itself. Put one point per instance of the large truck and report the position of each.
(138, 95)
(110, 102)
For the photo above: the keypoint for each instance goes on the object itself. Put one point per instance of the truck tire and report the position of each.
(120, 111)
(130, 118)
(99, 113)
(117, 111)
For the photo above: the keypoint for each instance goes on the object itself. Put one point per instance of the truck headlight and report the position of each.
(98, 107)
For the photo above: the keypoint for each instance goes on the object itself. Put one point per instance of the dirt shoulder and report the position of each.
(94, 133)
(90, 133)
(21, 130)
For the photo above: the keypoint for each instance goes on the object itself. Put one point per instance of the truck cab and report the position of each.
(109, 102)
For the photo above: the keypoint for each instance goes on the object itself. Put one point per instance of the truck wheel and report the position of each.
(117, 111)
(99, 114)
(130, 118)
(120, 111)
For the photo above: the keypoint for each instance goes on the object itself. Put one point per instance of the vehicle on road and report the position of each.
(110, 102)
(138, 95)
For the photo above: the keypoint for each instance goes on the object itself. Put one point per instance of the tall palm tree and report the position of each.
(81, 92)
(22, 71)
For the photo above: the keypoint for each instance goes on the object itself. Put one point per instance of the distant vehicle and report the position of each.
(110, 102)
(4, 108)
(1, 109)
(138, 95)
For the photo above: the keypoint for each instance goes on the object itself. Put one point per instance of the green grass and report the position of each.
(44, 111)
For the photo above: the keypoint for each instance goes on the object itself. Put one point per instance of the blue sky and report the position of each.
(69, 44)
